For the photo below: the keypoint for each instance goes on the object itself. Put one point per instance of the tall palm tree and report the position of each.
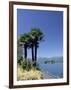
(31, 45)
(35, 37)
(23, 41)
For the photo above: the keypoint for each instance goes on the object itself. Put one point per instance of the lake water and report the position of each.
(55, 69)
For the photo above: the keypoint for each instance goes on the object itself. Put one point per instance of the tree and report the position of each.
(31, 45)
(23, 41)
(31, 40)
(35, 37)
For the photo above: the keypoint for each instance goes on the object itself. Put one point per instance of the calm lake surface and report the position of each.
(53, 69)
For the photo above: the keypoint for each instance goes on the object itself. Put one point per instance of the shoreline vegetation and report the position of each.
(32, 74)
(26, 71)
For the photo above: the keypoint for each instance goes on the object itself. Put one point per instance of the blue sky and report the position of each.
(50, 23)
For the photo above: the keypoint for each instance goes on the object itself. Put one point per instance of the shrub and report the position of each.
(32, 74)
(26, 65)
(20, 60)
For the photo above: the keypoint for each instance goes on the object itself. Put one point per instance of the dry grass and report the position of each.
(32, 74)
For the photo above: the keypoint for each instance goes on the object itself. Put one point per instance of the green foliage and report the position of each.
(26, 65)
(37, 67)
(23, 40)
(20, 60)
(30, 40)
(45, 62)
(35, 35)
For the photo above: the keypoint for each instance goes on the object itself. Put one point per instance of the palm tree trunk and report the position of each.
(25, 52)
(25, 56)
(35, 54)
(32, 55)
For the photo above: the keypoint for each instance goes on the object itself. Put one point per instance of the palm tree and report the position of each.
(31, 45)
(23, 41)
(35, 37)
